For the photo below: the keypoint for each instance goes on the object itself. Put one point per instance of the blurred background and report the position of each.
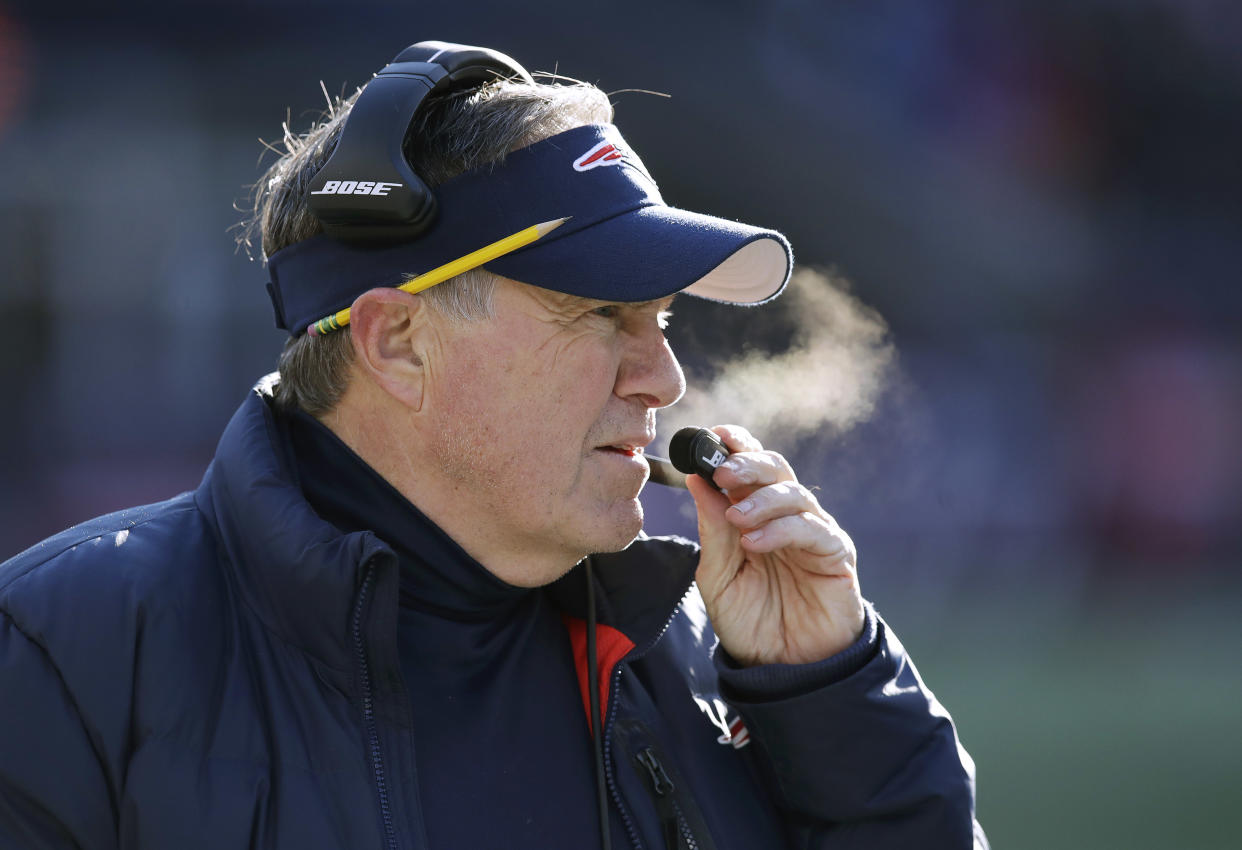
(1041, 198)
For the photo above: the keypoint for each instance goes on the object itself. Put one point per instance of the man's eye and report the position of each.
(608, 311)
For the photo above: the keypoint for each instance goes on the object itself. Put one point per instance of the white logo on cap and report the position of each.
(605, 153)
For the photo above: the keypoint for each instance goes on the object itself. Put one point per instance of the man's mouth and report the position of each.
(630, 445)
(623, 449)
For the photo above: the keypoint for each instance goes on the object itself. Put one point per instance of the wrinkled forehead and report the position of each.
(565, 302)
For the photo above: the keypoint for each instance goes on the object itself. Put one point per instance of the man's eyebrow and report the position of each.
(663, 303)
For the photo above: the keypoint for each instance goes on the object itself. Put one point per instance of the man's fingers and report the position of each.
(751, 470)
(717, 537)
(749, 465)
(806, 531)
(784, 498)
(737, 439)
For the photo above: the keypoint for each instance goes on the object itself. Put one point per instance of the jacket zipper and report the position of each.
(612, 783)
(676, 833)
(368, 708)
(614, 691)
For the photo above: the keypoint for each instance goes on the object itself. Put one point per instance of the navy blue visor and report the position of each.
(621, 242)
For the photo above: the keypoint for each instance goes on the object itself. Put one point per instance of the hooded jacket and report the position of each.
(228, 669)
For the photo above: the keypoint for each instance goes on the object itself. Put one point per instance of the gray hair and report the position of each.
(450, 136)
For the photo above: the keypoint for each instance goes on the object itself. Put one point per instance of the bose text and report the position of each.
(355, 187)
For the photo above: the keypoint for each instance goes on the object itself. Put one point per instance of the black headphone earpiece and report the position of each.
(367, 191)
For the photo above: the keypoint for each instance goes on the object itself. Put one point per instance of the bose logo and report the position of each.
(355, 187)
(715, 460)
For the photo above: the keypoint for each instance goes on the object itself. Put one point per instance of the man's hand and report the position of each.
(778, 575)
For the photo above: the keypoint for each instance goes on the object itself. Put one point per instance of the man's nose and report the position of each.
(649, 370)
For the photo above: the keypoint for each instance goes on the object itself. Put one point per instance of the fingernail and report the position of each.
(744, 507)
(752, 536)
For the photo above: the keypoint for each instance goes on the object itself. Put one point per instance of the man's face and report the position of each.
(540, 417)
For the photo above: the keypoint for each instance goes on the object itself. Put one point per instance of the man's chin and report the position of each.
(624, 531)
(618, 548)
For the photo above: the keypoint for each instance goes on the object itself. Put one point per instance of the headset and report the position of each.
(367, 192)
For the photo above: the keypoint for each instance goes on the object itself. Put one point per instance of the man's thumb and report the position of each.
(717, 537)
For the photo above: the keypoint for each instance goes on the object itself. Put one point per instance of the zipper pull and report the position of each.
(659, 778)
(665, 806)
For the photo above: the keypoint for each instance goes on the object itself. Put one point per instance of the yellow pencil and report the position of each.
(450, 269)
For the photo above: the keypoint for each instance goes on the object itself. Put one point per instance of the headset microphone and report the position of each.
(697, 450)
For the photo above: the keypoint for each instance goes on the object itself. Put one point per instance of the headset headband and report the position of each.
(367, 192)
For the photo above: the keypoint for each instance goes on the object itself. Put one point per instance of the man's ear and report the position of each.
(389, 329)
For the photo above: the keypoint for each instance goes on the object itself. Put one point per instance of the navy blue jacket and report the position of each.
(223, 670)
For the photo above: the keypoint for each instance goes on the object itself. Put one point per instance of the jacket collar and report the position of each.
(637, 589)
(299, 573)
(437, 574)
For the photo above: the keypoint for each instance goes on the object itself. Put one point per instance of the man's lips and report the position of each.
(628, 446)
(622, 449)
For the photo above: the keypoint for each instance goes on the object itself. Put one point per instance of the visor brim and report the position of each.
(655, 251)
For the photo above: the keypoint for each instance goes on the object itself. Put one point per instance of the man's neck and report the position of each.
(384, 436)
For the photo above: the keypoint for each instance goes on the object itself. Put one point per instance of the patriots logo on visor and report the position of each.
(604, 153)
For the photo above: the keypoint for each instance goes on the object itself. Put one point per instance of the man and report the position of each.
(388, 617)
